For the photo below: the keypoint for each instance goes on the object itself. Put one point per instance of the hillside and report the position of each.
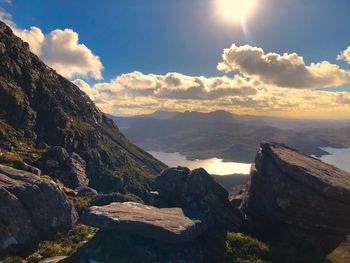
(40, 110)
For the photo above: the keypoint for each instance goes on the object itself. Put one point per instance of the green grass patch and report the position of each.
(63, 244)
(241, 248)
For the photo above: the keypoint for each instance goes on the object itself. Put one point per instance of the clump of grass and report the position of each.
(63, 244)
(241, 248)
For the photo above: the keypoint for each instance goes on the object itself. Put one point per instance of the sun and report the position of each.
(235, 10)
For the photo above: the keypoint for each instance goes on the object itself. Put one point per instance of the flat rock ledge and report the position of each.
(171, 225)
(299, 196)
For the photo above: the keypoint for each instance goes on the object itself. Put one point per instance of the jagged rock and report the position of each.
(57, 153)
(76, 171)
(70, 169)
(298, 197)
(86, 191)
(31, 169)
(197, 189)
(7, 146)
(51, 164)
(31, 208)
(171, 225)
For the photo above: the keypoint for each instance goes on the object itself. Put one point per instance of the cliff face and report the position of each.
(39, 109)
(299, 198)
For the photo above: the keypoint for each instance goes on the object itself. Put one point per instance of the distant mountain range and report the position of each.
(221, 134)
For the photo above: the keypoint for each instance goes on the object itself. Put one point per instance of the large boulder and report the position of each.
(199, 191)
(298, 198)
(31, 208)
(171, 225)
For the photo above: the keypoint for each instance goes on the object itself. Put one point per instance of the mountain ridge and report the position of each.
(40, 109)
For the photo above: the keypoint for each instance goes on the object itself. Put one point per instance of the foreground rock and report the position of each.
(199, 191)
(171, 225)
(297, 197)
(31, 208)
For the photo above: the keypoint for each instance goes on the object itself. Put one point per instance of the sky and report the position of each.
(263, 57)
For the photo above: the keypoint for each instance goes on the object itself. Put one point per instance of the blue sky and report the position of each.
(188, 37)
(159, 36)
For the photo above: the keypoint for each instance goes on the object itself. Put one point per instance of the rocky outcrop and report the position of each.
(171, 225)
(299, 198)
(197, 190)
(31, 208)
(69, 169)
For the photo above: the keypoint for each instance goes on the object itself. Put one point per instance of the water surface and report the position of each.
(338, 157)
(213, 166)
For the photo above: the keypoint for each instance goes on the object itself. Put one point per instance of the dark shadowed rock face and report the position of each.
(39, 109)
(69, 169)
(31, 208)
(198, 190)
(299, 197)
(171, 225)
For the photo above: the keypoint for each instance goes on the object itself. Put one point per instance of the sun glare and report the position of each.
(235, 10)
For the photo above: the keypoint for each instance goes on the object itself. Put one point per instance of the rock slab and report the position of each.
(198, 190)
(294, 195)
(31, 208)
(171, 225)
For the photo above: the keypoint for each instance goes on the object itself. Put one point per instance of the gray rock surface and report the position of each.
(69, 169)
(86, 191)
(198, 190)
(172, 225)
(31, 208)
(299, 197)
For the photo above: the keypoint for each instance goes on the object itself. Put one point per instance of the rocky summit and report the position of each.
(31, 208)
(47, 122)
(171, 225)
(299, 198)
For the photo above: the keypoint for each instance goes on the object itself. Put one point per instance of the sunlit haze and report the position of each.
(236, 10)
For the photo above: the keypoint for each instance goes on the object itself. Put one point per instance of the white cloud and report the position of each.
(345, 55)
(60, 49)
(173, 86)
(287, 70)
(136, 93)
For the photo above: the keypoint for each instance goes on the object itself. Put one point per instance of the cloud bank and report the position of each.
(60, 49)
(287, 70)
(265, 84)
(136, 93)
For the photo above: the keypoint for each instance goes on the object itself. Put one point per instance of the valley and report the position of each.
(222, 135)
